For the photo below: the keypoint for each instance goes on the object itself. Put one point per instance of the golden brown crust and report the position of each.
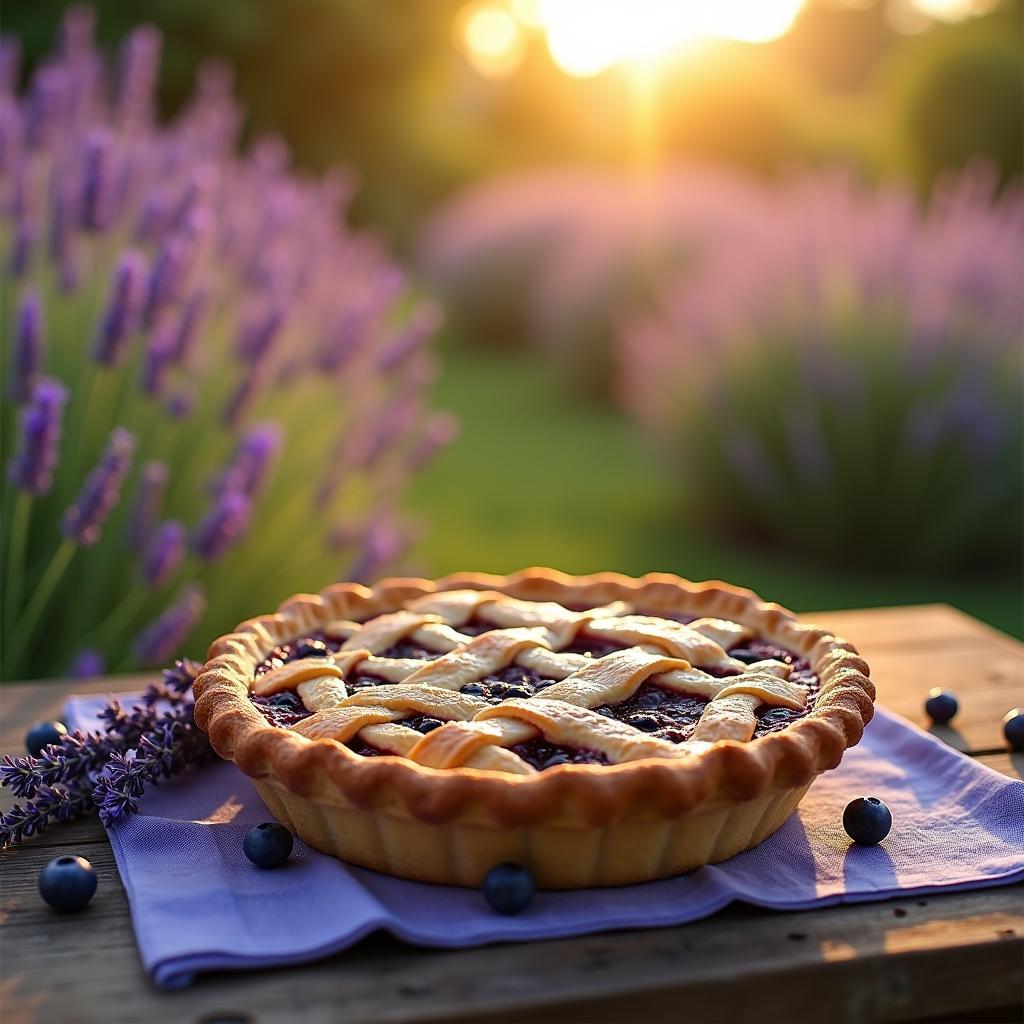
(570, 795)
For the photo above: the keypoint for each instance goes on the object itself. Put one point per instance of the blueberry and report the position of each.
(429, 724)
(310, 648)
(43, 734)
(747, 657)
(499, 691)
(940, 706)
(474, 689)
(650, 699)
(867, 820)
(543, 684)
(518, 691)
(1013, 728)
(285, 699)
(555, 760)
(268, 845)
(67, 883)
(645, 723)
(508, 888)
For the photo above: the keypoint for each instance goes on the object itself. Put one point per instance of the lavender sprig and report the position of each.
(51, 803)
(107, 770)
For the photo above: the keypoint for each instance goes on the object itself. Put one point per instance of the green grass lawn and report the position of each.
(538, 477)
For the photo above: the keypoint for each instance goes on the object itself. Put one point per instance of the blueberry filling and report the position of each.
(542, 754)
(661, 713)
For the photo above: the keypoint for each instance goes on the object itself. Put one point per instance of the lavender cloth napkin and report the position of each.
(198, 905)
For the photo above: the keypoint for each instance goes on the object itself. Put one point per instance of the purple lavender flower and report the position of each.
(61, 244)
(164, 553)
(159, 640)
(181, 403)
(189, 326)
(87, 664)
(173, 266)
(47, 95)
(121, 317)
(97, 189)
(31, 467)
(439, 431)
(251, 463)
(223, 526)
(27, 356)
(108, 771)
(146, 504)
(159, 356)
(21, 250)
(137, 70)
(10, 64)
(381, 544)
(84, 518)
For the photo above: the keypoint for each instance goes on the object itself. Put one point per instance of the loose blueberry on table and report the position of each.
(268, 845)
(867, 820)
(1013, 728)
(508, 888)
(67, 883)
(941, 706)
(662, 713)
(42, 735)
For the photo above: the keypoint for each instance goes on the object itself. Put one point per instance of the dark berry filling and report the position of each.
(282, 709)
(542, 754)
(662, 713)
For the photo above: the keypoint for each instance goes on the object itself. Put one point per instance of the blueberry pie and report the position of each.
(599, 730)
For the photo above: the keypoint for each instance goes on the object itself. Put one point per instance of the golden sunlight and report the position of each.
(491, 38)
(585, 37)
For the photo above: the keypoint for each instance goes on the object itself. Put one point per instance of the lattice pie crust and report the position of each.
(448, 805)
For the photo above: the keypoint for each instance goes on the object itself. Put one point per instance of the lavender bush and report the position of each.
(845, 378)
(555, 258)
(214, 391)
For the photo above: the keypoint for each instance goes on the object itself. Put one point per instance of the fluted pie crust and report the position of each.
(574, 825)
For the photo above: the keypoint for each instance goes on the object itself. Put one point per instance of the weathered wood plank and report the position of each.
(913, 626)
(986, 683)
(871, 962)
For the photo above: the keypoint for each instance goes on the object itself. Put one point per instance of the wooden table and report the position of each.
(956, 956)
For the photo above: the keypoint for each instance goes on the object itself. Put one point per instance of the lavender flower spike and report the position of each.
(31, 467)
(145, 510)
(97, 195)
(158, 641)
(84, 518)
(223, 526)
(251, 463)
(164, 553)
(27, 354)
(124, 308)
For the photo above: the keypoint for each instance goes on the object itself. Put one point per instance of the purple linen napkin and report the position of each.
(198, 905)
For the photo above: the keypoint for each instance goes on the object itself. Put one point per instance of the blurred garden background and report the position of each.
(729, 290)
